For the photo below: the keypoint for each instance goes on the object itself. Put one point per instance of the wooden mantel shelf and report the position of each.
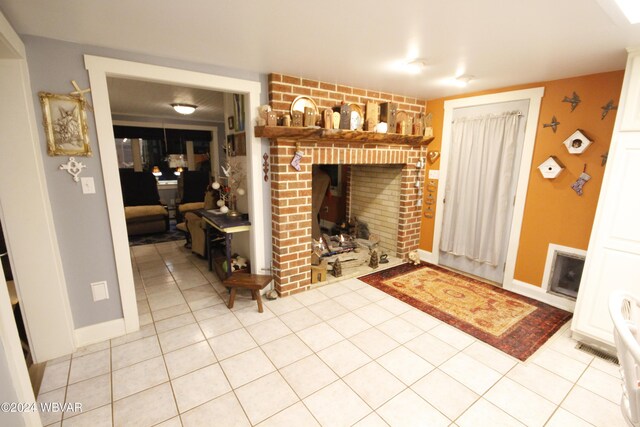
(313, 133)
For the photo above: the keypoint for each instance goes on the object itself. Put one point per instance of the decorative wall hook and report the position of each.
(265, 166)
(73, 167)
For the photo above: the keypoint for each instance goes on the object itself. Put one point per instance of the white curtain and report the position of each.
(478, 186)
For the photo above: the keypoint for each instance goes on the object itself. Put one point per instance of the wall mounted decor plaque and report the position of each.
(65, 125)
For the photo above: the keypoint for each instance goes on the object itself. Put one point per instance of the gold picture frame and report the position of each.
(65, 125)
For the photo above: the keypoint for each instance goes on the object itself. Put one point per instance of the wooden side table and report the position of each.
(253, 282)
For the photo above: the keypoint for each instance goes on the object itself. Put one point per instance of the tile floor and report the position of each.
(339, 355)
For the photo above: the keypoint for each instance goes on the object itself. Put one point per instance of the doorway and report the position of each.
(529, 119)
(464, 245)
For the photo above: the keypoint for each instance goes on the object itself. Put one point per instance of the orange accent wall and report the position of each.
(553, 213)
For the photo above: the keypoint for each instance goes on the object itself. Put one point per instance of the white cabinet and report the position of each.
(613, 257)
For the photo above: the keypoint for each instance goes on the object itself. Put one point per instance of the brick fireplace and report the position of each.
(291, 199)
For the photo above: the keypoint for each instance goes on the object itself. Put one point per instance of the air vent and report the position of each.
(598, 353)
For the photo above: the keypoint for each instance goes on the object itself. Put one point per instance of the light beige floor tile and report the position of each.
(606, 366)
(432, 349)
(567, 346)
(327, 309)
(400, 329)
(145, 319)
(143, 332)
(394, 305)
(602, 384)
(563, 418)
(371, 420)
(200, 292)
(103, 345)
(275, 395)
(232, 343)
(371, 293)
(334, 290)
(484, 414)
(452, 336)
(100, 417)
(593, 408)
(471, 373)
(295, 415)
(250, 315)
(89, 366)
(180, 337)
(225, 410)
(348, 324)
(146, 408)
(269, 330)
(308, 375)
(189, 359)
(445, 394)
(373, 314)
(493, 358)
(374, 342)
(174, 322)
(211, 312)
(173, 422)
(91, 393)
(420, 319)
(206, 302)
(199, 387)
(57, 360)
(374, 384)
(284, 305)
(408, 409)
(55, 376)
(220, 325)
(286, 350)
(344, 357)
(47, 414)
(354, 284)
(161, 288)
(337, 405)
(352, 300)
(134, 352)
(165, 300)
(300, 319)
(141, 376)
(529, 408)
(407, 366)
(547, 384)
(246, 367)
(313, 296)
(320, 336)
(560, 364)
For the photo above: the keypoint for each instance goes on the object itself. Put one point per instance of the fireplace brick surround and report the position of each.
(291, 200)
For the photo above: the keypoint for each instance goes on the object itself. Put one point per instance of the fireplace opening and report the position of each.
(565, 266)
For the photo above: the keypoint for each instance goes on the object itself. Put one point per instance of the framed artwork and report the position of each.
(65, 125)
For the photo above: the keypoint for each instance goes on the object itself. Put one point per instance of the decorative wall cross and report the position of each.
(73, 167)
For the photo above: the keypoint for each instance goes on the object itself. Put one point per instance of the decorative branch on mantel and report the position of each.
(275, 132)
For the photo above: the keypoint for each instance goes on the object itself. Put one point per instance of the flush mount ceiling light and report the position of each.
(463, 80)
(415, 66)
(184, 108)
(631, 9)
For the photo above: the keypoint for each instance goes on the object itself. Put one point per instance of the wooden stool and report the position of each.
(254, 282)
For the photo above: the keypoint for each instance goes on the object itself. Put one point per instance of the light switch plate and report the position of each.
(434, 174)
(88, 186)
(99, 291)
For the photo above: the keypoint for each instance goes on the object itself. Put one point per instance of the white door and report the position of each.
(494, 273)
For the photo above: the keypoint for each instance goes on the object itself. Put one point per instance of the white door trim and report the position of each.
(99, 68)
(534, 96)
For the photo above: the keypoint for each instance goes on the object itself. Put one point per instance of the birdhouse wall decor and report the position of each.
(577, 143)
(551, 168)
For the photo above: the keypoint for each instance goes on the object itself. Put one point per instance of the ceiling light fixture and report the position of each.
(463, 80)
(631, 9)
(184, 108)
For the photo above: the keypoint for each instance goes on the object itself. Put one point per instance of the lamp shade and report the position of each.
(184, 108)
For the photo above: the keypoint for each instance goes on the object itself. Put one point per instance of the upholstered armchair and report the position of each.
(192, 186)
(143, 211)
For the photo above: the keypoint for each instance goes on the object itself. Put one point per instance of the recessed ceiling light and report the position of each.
(463, 80)
(631, 9)
(184, 108)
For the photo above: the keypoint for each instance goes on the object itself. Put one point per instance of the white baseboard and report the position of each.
(99, 332)
(541, 295)
(425, 256)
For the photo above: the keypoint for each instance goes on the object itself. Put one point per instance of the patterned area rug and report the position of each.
(510, 322)
(149, 239)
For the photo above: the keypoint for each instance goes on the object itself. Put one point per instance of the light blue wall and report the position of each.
(81, 221)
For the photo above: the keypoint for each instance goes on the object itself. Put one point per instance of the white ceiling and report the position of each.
(357, 42)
